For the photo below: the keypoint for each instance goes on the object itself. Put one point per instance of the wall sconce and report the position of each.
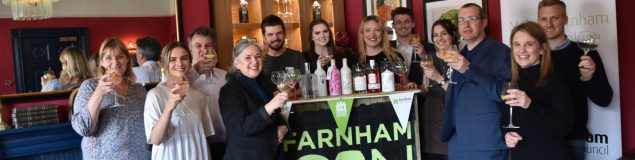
(131, 48)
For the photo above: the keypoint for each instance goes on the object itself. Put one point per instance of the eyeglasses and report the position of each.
(470, 19)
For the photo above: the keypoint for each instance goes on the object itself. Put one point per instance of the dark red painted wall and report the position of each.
(625, 35)
(196, 13)
(127, 29)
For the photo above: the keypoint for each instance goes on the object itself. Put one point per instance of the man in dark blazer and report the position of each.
(472, 116)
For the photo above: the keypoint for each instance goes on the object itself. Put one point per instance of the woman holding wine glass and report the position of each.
(443, 37)
(546, 110)
(322, 46)
(176, 117)
(95, 116)
(248, 108)
(74, 71)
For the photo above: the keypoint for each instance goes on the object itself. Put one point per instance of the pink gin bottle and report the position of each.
(335, 85)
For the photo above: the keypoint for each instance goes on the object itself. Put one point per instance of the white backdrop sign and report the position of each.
(605, 141)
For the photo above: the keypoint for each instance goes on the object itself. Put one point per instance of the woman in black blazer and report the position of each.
(247, 108)
(546, 116)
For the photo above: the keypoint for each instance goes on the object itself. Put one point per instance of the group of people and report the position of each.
(199, 111)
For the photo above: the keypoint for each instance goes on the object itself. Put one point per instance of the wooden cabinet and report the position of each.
(229, 29)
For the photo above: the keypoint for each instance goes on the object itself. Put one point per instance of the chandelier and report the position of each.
(30, 9)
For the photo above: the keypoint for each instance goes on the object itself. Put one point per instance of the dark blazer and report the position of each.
(475, 103)
(251, 132)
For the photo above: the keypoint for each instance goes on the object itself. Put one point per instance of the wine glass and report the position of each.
(402, 70)
(293, 76)
(508, 86)
(426, 60)
(449, 54)
(116, 79)
(588, 41)
(210, 54)
(184, 86)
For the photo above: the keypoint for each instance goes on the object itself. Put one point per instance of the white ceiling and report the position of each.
(106, 8)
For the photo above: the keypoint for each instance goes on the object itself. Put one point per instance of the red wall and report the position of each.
(627, 90)
(127, 29)
(195, 13)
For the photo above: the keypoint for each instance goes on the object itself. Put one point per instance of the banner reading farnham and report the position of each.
(605, 140)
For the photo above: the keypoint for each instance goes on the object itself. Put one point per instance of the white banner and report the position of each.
(402, 103)
(605, 141)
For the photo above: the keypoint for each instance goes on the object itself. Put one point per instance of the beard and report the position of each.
(276, 48)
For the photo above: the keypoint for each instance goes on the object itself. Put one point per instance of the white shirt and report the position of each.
(406, 52)
(210, 87)
(150, 71)
(185, 135)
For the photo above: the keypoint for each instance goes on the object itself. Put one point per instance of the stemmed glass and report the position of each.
(293, 76)
(449, 54)
(508, 86)
(116, 79)
(588, 41)
(184, 86)
(426, 60)
(282, 80)
(402, 70)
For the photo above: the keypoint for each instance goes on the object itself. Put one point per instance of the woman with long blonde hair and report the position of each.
(74, 71)
(374, 43)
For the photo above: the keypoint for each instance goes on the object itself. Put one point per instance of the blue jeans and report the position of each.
(579, 148)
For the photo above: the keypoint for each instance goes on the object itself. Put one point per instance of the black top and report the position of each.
(597, 88)
(312, 57)
(546, 123)
(380, 57)
(248, 125)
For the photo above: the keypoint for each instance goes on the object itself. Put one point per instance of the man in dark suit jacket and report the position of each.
(472, 115)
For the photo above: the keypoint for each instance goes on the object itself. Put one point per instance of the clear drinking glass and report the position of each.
(508, 86)
(426, 60)
(184, 86)
(283, 82)
(449, 54)
(116, 79)
(588, 41)
(402, 73)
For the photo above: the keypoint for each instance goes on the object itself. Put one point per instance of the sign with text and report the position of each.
(373, 132)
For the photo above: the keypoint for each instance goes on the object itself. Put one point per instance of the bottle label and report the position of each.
(347, 86)
(387, 81)
(360, 83)
(372, 78)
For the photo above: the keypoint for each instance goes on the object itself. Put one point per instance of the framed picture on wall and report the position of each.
(444, 9)
(382, 8)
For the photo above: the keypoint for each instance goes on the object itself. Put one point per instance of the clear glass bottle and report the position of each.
(359, 79)
(374, 79)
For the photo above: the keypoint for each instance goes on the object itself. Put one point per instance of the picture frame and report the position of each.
(433, 9)
(382, 8)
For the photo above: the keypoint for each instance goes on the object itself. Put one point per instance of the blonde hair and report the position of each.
(390, 52)
(546, 67)
(76, 68)
(116, 44)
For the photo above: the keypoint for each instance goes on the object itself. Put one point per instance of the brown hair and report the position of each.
(480, 9)
(76, 68)
(116, 44)
(546, 67)
(546, 3)
(390, 52)
(167, 51)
